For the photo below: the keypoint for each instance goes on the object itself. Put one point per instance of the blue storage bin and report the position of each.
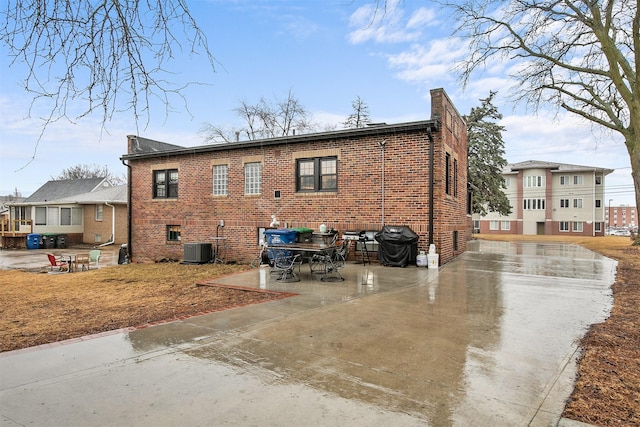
(33, 241)
(280, 236)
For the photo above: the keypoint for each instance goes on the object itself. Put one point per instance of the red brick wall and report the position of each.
(357, 204)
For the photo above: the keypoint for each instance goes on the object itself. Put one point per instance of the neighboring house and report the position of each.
(85, 210)
(351, 179)
(104, 215)
(550, 198)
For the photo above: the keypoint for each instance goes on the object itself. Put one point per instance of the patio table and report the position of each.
(308, 250)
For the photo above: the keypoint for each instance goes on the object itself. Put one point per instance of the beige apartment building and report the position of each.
(550, 198)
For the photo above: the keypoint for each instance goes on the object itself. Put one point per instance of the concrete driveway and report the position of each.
(488, 339)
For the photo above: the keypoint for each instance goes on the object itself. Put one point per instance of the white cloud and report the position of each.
(383, 24)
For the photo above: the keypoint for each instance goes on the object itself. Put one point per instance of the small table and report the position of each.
(322, 250)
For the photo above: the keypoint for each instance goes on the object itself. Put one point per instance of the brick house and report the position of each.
(350, 179)
(550, 198)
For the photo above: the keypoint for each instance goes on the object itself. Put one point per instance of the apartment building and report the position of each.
(550, 198)
(621, 217)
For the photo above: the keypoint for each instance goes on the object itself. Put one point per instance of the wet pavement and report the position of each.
(489, 339)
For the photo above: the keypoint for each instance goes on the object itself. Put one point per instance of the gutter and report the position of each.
(128, 208)
(113, 226)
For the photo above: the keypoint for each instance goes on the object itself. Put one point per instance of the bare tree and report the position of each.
(91, 171)
(265, 119)
(581, 56)
(109, 54)
(360, 116)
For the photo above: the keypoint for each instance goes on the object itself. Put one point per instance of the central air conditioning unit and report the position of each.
(197, 253)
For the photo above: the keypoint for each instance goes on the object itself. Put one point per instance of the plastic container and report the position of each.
(33, 241)
(48, 241)
(281, 236)
(304, 234)
(433, 260)
(61, 241)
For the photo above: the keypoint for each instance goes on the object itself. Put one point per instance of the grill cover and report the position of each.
(397, 246)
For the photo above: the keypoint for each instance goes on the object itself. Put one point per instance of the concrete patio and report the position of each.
(489, 339)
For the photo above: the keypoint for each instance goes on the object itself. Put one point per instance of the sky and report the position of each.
(327, 53)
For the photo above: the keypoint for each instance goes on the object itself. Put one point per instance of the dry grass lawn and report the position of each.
(607, 390)
(45, 308)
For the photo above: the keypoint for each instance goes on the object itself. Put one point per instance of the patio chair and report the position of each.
(283, 264)
(57, 262)
(85, 260)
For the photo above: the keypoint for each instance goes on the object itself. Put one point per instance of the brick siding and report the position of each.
(356, 205)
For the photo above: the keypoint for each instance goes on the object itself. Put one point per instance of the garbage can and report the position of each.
(123, 255)
(61, 241)
(48, 241)
(397, 246)
(33, 241)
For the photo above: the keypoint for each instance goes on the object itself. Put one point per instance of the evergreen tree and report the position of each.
(486, 158)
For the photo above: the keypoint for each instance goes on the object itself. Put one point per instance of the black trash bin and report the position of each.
(397, 246)
(61, 241)
(48, 241)
(123, 254)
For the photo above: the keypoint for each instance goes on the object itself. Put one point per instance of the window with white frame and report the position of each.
(494, 225)
(507, 182)
(577, 226)
(564, 225)
(534, 181)
(253, 178)
(598, 180)
(564, 203)
(577, 203)
(577, 180)
(220, 180)
(99, 212)
(598, 226)
(505, 225)
(564, 180)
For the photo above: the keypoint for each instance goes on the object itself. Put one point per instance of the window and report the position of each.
(598, 180)
(564, 203)
(253, 178)
(41, 215)
(564, 225)
(577, 203)
(494, 225)
(598, 203)
(577, 180)
(220, 180)
(447, 173)
(455, 177)
(165, 184)
(53, 215)
(507, 182)
(564, 180)
(173, 233)
(533, 181)
(70, 216)
(533, 204)
(98, 212)
(317, 174)
(506, 225)
(577, 226)
(598, 226)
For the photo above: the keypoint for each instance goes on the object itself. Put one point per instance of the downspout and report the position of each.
(113, 226)
(431, 185)
(129, 252)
